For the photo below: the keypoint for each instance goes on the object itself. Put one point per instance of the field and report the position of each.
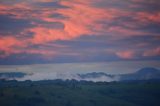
(73, 93)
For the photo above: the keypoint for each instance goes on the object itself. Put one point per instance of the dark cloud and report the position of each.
(130, 5)
(10, 2)
(145, 5)
(58, 16)
(54, 4)
(22, 59)
(54, 25)
(11, 26)
(118, 4)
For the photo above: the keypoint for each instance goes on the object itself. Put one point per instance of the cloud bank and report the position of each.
(59, 31)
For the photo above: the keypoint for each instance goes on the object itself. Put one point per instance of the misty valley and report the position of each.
(141, 88)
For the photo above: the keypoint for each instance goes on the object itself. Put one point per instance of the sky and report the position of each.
(78, 32)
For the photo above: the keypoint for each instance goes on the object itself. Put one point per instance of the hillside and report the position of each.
(73, 93)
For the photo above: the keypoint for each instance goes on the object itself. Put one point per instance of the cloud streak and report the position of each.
(34, 28)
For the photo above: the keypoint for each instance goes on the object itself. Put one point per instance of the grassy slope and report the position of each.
(111, 94)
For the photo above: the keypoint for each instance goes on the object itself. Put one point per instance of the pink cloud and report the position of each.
(152, 52)
(83, 19)
(146, 17)
(126, 54)
(7, 45)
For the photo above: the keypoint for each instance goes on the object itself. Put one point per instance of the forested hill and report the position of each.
(83, 93)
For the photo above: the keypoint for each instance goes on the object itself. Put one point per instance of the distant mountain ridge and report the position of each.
(95, 75)
(12, 75)
(142, 74)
